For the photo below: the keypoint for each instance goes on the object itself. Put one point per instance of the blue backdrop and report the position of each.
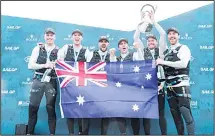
(20, 35)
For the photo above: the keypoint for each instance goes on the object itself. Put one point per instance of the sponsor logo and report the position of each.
(205, 26)
(207, 92)
(68, 38)
(109, 38)
(9, 69)
(26, 59)
(27, 82)
(11, 48)
(13, 27)
(31, 38)
(207, 69)
(186, 37)
(192, 83)
(206, 47)
(23, 103)
(191, 58)
(194, 104)
(8, 91)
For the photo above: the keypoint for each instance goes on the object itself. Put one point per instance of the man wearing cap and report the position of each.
(176, 63)
(100, 55)
(125, 55)
(151, 52)
(75, 52)
(44, 81)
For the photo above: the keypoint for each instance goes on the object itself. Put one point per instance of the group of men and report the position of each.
(172, 71)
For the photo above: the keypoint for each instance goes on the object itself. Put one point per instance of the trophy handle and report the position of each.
(148, 5)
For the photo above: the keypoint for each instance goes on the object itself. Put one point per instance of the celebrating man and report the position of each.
(74, 52)
(176, 66)
(44, 81)
(151, 52)
(125, 55)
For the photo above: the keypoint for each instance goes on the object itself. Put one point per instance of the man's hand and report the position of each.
(142, 14)
(160, 87)
(136, 45)
(152, 17)
(112, 52)
(159, 61)
(49, 65)
(40, 44)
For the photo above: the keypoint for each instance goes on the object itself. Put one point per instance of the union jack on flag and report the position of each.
(81, 73)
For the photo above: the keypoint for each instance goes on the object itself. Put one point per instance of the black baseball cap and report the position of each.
(77, 31)
(122, 39)
(151, 36)
(103, 38)
(49, 29)
(172, 29)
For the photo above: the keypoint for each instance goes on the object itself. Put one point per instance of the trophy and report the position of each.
(145, 25)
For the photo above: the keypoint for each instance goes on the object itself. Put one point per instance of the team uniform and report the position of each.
(98, 56)
(42, 54)
(129, 56)
(178, 86)
(153, 54)
(176, 67)
(70, 52)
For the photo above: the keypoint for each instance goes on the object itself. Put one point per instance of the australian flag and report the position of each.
(113, 89)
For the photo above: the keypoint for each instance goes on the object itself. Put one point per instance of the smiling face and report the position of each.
(173, 37)
(77, 38)
(151, 43)
(49, 37)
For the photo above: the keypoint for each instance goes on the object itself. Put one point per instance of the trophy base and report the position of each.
(145, 27)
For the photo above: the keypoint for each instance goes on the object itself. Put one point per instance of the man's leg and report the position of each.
(51, 92)
(104, 126)
(175, 111)
(184, 104)
(79, 126)
(135, 124)
(70, 125)
(36, 95)
(162, 119)
(122, 125)
(85, 126)
(146, 126)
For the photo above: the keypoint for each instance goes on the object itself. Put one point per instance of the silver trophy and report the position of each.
(145, 25)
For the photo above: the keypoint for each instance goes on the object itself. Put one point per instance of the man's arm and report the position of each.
(138, 55)
(137, 39)
(88, 55)
(162, 40)
(33, 59)
(184, 55)
(112, 55)
(62, 52)
(162, 33)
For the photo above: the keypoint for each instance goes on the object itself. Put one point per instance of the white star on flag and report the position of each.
(80, 100)
(148, 76)
(136, 69)
(135, 107)
(118, 84)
